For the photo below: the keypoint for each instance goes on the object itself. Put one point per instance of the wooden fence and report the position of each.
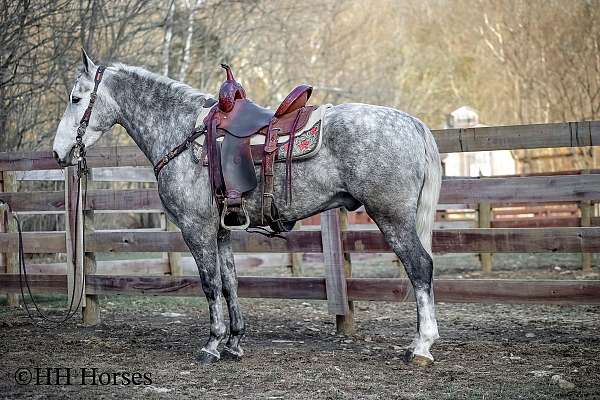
(335, 239)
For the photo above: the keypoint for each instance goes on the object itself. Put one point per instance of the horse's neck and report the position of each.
(156, 116)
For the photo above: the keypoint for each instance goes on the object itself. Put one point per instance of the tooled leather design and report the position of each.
(230, 91)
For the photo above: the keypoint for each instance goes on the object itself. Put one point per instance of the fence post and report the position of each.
(485, 221)
(345, 323)
(91, 311)
(586, 220)
(74, 236)
(7, 224)
(295, 259)
(174, 258)
(337, 296)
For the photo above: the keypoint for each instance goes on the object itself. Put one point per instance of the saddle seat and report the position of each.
(248, 118)
(231, 165)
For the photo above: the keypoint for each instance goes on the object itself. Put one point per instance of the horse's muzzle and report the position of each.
(61, 163)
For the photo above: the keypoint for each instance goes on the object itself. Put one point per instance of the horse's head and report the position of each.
(101, 119)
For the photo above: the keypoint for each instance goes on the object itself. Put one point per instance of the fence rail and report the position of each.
(567, 134)
(358, 289)
(498, 190)
(336, 240)
(496, 240)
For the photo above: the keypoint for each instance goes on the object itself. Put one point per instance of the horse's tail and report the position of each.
(430, 191)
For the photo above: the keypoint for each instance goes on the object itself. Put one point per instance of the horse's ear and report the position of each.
(88, 64)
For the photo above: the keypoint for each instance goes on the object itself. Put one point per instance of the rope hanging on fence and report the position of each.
(23, 278)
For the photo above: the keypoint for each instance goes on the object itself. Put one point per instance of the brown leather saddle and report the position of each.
(236, 120)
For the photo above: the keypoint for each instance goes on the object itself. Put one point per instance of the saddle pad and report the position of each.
(307, 142)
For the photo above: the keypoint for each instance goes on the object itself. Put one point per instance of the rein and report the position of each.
(196, 133)
(82, 169)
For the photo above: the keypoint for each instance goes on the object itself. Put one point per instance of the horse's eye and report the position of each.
(75, 100)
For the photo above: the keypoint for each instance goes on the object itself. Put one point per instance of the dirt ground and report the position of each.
(292, 351)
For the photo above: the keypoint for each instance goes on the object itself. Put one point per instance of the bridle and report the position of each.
(79, 149)
(79, 154)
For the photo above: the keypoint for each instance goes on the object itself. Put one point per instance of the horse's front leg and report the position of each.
(229, 278)
(203, 246)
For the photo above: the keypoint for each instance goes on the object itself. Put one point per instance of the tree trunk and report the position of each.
(187, 50)
(166, 51)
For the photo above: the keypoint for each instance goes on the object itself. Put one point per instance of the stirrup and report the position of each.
(242, 227)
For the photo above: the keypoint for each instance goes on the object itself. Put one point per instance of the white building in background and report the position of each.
(478, 163)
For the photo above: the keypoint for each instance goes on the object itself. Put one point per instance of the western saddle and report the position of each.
(236, 119)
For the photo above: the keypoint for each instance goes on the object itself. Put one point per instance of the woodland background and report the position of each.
(515, 61)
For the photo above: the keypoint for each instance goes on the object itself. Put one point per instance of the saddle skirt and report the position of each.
(307, 141)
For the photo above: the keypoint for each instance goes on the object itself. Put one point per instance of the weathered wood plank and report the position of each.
(8, 261)
(359, 289)
(27, 161)
(333, 254)
(38, 283)
(174, 257)
(345, 323)
(99, 200)
(482, 291)
(532, 189)
(520, 240)
(131, 199)
(91, 311)
(522, 189)
(160, 266)
(74, 238)
(124, 174)
(456, 224)
(447, 241)
(34, 242)
(116, 156)
(35, 201)
(123, 241)
(485, 220)
(536, 222)
(586, 220)
(567, 134)
(40, 175)
(153, 266)
(494, 240)
(295, 260)
(106, 174)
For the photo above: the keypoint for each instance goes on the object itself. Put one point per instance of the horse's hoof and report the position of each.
(205, 357)
(421, 361)
(415, 359)
(231, 355)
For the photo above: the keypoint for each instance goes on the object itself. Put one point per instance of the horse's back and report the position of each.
(371, 140)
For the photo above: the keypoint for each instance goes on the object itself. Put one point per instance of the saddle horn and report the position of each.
(230, 91)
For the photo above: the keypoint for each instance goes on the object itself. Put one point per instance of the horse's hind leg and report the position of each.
(229, 278)
(203, 246)
(401, 235)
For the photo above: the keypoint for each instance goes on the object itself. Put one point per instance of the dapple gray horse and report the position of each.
(376, 156)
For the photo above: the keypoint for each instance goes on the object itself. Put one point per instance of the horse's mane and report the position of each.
(172, 84)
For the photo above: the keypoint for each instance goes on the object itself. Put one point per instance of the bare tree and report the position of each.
(166, 50)
(187, 49)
